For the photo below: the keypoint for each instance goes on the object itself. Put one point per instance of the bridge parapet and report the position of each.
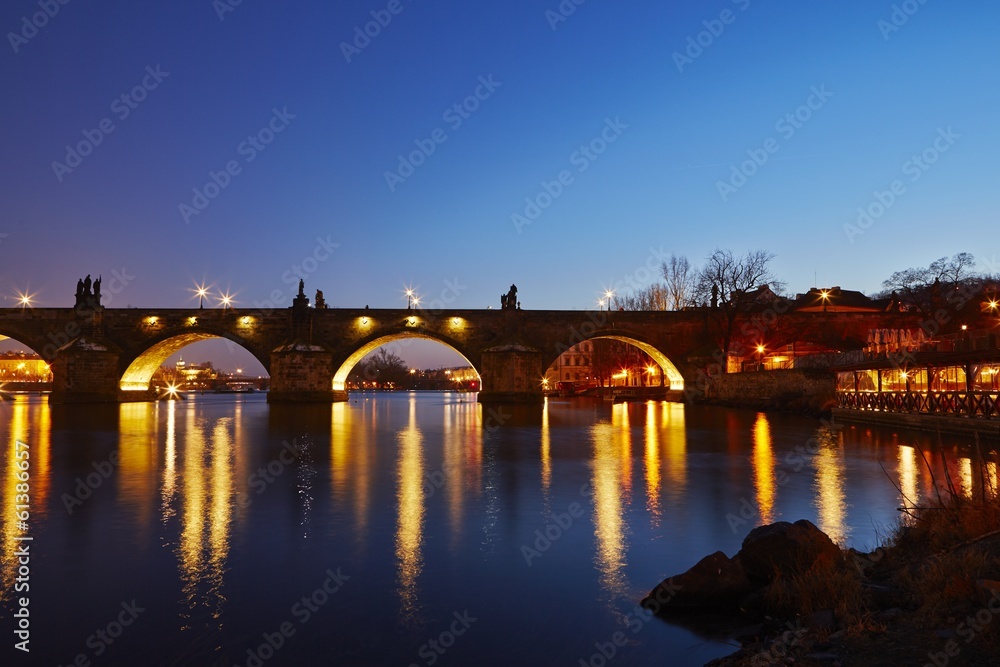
(510, 348)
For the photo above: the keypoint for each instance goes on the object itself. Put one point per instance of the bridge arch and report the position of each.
(47, 349)
(662, 360)
(22, 365)
(344, 368)
(137, 375)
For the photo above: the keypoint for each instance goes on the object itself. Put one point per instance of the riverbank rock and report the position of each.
(714, 583)
(784, 548)
(719, 584)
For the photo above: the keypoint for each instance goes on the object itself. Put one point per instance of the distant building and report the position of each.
(23, 367)
(195, 375)
(615, 364)
(573, 365)
(836, 300)
(761, 296)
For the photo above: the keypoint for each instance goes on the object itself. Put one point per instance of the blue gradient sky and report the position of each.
(323, 176)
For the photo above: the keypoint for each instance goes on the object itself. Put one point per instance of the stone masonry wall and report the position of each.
(799, 390)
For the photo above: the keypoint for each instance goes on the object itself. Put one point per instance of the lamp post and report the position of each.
(825, 296)
(201, 291)
(607, 296)
(24, 299)
(760, 357)
(409, 299)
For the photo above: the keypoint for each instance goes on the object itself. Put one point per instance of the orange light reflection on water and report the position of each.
(763, 468)
(410, 518)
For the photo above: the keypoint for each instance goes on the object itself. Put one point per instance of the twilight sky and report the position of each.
(166, 144)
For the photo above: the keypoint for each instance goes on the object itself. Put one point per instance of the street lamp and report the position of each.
(760, 356)
(409, 299)
(201, 291)
(825, 296)
(600, 304)
(607, 295)
(225, 300)
(24, 299)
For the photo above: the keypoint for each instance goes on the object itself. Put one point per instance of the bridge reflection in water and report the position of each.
(420, 495)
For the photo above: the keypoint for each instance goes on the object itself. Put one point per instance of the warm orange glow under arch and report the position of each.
(667, 366)
(140, 372)
(340, 377)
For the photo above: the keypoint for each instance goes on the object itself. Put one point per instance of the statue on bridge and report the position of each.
(301, 300)
(85, 298)
(509, 301)
(320, 301)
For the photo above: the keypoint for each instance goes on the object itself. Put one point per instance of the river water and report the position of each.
(410, 528)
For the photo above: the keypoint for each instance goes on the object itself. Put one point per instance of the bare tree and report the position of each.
(928, 288)
(679, 282)
(954, 270)
(383, 366)
(651, 297)
(732, 279)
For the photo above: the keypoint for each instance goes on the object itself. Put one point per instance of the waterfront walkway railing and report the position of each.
(981, 404)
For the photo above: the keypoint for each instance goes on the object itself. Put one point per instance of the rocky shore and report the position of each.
(790, 596)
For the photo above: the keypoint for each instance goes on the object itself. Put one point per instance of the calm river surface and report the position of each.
(407, 528)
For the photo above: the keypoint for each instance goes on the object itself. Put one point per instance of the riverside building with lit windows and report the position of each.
(23, 367)
(954, 377)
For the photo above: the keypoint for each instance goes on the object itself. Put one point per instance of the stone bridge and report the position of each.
(102, 354)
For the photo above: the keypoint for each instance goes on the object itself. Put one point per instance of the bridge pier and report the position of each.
(85, 372)
(511, 374)
(302, 373)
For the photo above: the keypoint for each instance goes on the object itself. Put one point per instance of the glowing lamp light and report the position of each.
(201, 291)
(411, 298)
(151, 319)
(25, 299)
(904, 375)
(760, 349)
(192, 321)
